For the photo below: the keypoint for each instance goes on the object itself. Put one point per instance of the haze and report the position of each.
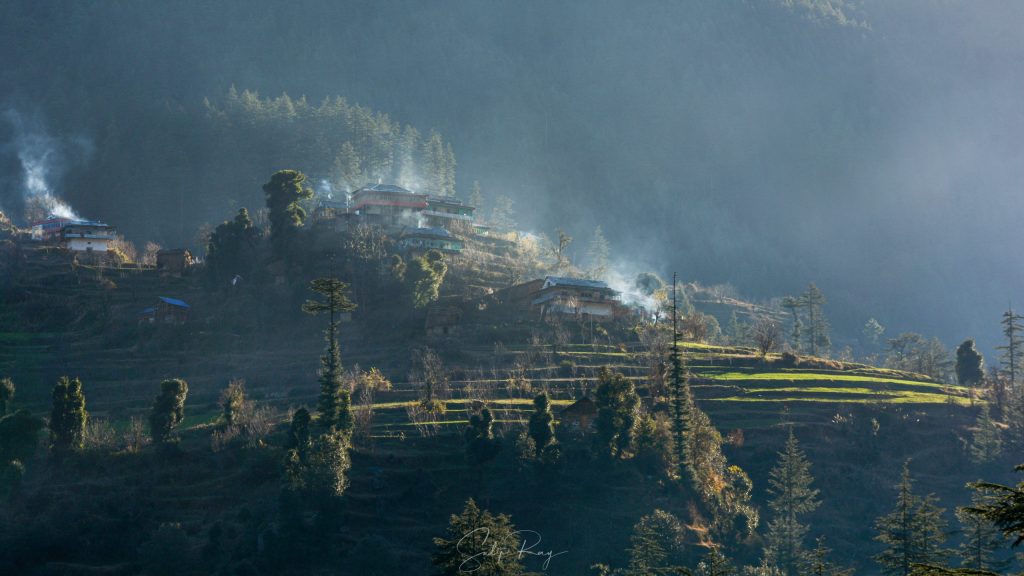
(873, 148)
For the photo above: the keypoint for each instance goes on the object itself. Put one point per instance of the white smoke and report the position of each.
(44, 160)
(623, 281)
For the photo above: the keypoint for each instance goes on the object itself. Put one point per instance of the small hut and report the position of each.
(166, 311)
(174, 262)
(580, 415)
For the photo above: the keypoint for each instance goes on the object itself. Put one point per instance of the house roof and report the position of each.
(174, 302)
(428, 232)
(64, 222)
(383, 188)
(583, 283)
(447, 200)
(581, 407)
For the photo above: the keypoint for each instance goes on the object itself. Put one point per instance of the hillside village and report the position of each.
(412, 224)
(452, 318)
(710, 288)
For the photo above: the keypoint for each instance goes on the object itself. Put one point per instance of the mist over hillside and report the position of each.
(874, 147)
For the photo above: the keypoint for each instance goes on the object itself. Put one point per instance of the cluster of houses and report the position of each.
(421, 222)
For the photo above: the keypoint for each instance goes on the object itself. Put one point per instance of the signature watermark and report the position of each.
(520, 544)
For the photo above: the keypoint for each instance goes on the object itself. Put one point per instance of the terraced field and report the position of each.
(737, 388)
(122, 367)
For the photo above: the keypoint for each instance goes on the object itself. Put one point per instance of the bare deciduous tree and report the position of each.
(766, 335)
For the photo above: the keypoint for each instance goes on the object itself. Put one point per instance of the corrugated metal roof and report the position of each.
(59, 220)
(384, 188)
(563, 281)
(432, 232)
(174, 302)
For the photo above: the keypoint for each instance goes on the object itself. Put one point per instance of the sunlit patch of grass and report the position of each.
(463, 401)
(820, 376)
(888, 398)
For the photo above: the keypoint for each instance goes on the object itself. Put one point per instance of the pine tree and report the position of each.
(231, 249)
(818, 342)
(437, 171)
(478, 543)
(819, 565)
(285, 190)
(168, 409)
(6, 394)
(318, 468)
(1013, 415)
(326, 465)
(408, 152)
(982, 539)
(334, 404)
(970, 365)
(913, 533)
(542, 423)
(715, 564)
(1012, 351)
(1003, 506)
(617, 410)
(481, 445)
(348, 168)
(791, 497)
(298, 431)
(725, 490)
(67, 416)
(680, 394)
(655, 543)
(424, 276)
(449, 170)
(986, 439)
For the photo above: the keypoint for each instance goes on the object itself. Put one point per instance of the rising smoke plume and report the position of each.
(44, 159)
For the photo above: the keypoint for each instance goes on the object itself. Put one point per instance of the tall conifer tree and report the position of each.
(792, 497)
(680, 391)
(334, 404)
(67, 416)
(818, 341)
(1012, 352)
(913, 533)
(542, 423)
(982, 539)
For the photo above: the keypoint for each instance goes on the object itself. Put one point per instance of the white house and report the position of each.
(86, 236)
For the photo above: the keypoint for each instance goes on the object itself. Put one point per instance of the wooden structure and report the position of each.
(579, 416)
(166, 311)
(422, 240)
(174, 262)
(576, 297)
